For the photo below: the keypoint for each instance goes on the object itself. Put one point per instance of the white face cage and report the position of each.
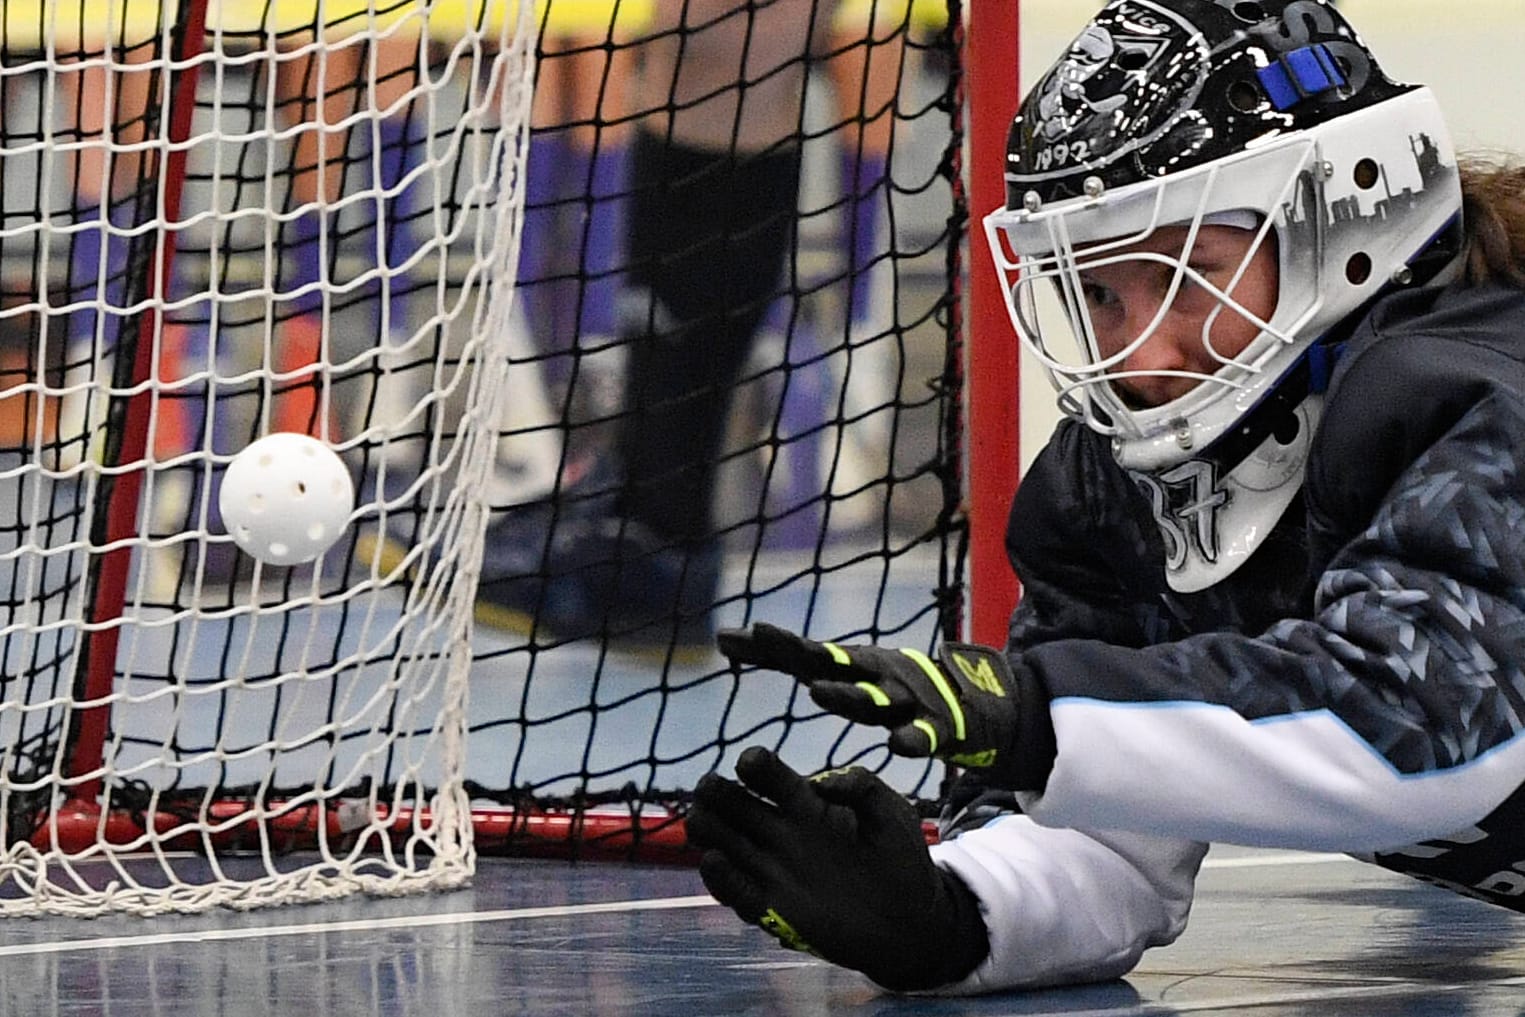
(1043, 255)
(1351, 203)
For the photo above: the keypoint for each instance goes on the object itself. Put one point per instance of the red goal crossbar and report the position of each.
(601, 833)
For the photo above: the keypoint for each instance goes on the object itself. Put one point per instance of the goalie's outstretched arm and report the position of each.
(967, 707)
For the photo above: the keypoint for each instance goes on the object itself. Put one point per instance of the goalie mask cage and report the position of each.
(223, 220)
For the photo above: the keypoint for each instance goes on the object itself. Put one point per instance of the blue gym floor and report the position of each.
(1273, 935)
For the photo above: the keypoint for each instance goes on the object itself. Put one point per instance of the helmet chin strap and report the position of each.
(1205, 528)
(1441, 262)
(1276, 414)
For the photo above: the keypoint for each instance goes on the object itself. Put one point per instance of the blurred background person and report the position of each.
(627, 550)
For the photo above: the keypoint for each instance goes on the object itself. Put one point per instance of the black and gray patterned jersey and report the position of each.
(1357, 686)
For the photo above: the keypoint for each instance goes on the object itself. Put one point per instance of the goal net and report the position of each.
(630, 321)
(203, 242)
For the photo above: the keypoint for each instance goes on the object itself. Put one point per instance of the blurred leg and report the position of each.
(578, 192)
(398, 141)
(316, 90)
(395, 146)
(710, 238)
(104, 101)
(571, 255)
(865, 72)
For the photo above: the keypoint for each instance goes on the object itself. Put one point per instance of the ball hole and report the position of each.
(277, 549)
(256, 503)
(301, 488)
(266, 460)
(316, 532)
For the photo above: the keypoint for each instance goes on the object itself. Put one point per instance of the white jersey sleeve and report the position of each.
(1063, 906)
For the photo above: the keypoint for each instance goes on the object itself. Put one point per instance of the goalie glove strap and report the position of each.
(1025, 764)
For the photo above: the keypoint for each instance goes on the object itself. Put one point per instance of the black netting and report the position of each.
(756, 392)
(732, 394)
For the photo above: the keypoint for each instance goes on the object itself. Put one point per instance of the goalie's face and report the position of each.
(1164, 328)
(1169, 316)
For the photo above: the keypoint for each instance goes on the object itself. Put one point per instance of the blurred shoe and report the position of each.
(584, 574)
(391, 512)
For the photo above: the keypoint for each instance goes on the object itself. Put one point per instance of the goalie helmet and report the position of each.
(1163, 118)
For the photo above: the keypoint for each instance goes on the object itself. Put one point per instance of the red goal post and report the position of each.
(993, 404)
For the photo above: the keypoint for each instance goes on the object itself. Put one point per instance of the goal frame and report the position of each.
(110, 595)
(56, 824)
(991, 448)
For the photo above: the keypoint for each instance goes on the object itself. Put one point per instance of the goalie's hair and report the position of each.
(1493, 206)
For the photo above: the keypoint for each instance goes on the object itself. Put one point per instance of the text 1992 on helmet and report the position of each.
(1272, 116)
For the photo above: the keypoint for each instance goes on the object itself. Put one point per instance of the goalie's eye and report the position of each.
(1104, 306)
(1097, 296)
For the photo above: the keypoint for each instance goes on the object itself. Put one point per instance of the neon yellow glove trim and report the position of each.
(981, 675)
(774, 925)
(940, 682)
(926, 728)
(875, 693)
(838, 654)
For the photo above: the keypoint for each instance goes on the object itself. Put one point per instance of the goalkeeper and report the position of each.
(1272, 569)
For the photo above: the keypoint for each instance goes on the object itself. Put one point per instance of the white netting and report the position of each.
(183, 726)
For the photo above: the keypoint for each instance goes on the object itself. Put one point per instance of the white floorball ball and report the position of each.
(286, 498)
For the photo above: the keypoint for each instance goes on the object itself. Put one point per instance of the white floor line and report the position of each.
(482, 917)
(1271, 861)
(355, 925)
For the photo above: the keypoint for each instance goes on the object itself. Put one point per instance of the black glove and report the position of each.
(971, 711)
(838, 866)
